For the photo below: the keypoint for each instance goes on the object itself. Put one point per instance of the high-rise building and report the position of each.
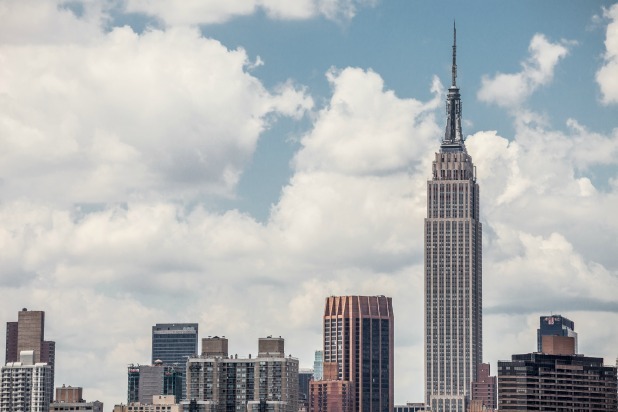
(358, 348)
(173, 344)
(218, 382)
(146, 381)
(26, 385)
(544, 382)
(28, 334)
(317, 365)
(555, 325)
(453, 279)
(331, 396)
(304, 377)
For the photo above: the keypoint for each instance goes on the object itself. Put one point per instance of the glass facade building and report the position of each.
(555, 325)
(173, 344)
(358, 347)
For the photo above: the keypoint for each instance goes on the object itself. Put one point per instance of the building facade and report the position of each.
(159, 403)
(331, 396)
(147, 381)
(318, 361)
(26, 385)
(485, 388)
(543, 382)
(70, 399)
(219, 382)
(28, 334)
(173, 344)
(555, 325)
(453, 268)
(358, 343)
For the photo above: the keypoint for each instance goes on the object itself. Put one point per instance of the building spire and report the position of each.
(454, 68)
(453, 137)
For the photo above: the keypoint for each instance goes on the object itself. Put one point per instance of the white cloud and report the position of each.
(607, 76)
(510, 90)
(145, 106)
(206, 12)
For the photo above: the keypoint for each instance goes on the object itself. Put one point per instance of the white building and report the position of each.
(26, 386)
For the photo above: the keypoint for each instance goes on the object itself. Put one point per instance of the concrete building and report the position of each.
(28, 334)
(453, 268)
(544, 382)
(555, 325)
(70, 399)
(147, 381)
(158, 403)
(485, 389)
(217, 381)
(26, 385)
(173, 344)
(358, 348)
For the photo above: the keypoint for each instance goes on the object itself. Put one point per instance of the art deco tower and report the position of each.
(453, 282)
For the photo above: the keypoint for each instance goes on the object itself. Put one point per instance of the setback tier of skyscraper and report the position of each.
(453, 278)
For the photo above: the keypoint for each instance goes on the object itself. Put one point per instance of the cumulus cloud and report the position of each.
(510, 90)
(145, 106)
(200, 12)
(607, 76)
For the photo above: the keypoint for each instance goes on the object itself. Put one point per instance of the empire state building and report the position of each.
(453, 275)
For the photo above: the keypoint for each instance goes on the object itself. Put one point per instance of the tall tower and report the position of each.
(555, 325)
(453, 279)
(358, 348)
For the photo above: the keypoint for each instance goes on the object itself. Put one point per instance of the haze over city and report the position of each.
(234, 163)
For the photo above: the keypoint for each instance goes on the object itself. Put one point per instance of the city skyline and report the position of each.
(235, 164)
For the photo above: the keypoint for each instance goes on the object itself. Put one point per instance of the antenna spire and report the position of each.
(454, 69)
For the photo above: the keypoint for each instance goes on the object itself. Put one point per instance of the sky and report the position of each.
(235, 162)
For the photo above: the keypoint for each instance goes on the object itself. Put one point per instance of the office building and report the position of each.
(304, 377)
(147, 381)
(317, 365)
(28, 334)
(173, 344)
(555, 325)
(544, 382)
(358, 348)
(485, 388)
(453, 278)
(70, 399)
(26, 385)
(217, 381)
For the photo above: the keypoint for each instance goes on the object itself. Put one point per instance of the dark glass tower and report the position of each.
(358, 348)
(173, 344)
(453, 279)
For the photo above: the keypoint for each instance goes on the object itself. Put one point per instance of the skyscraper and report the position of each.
(173, 344)
(555, 325)
(453, 281)
(358, 345)
(28, 334)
